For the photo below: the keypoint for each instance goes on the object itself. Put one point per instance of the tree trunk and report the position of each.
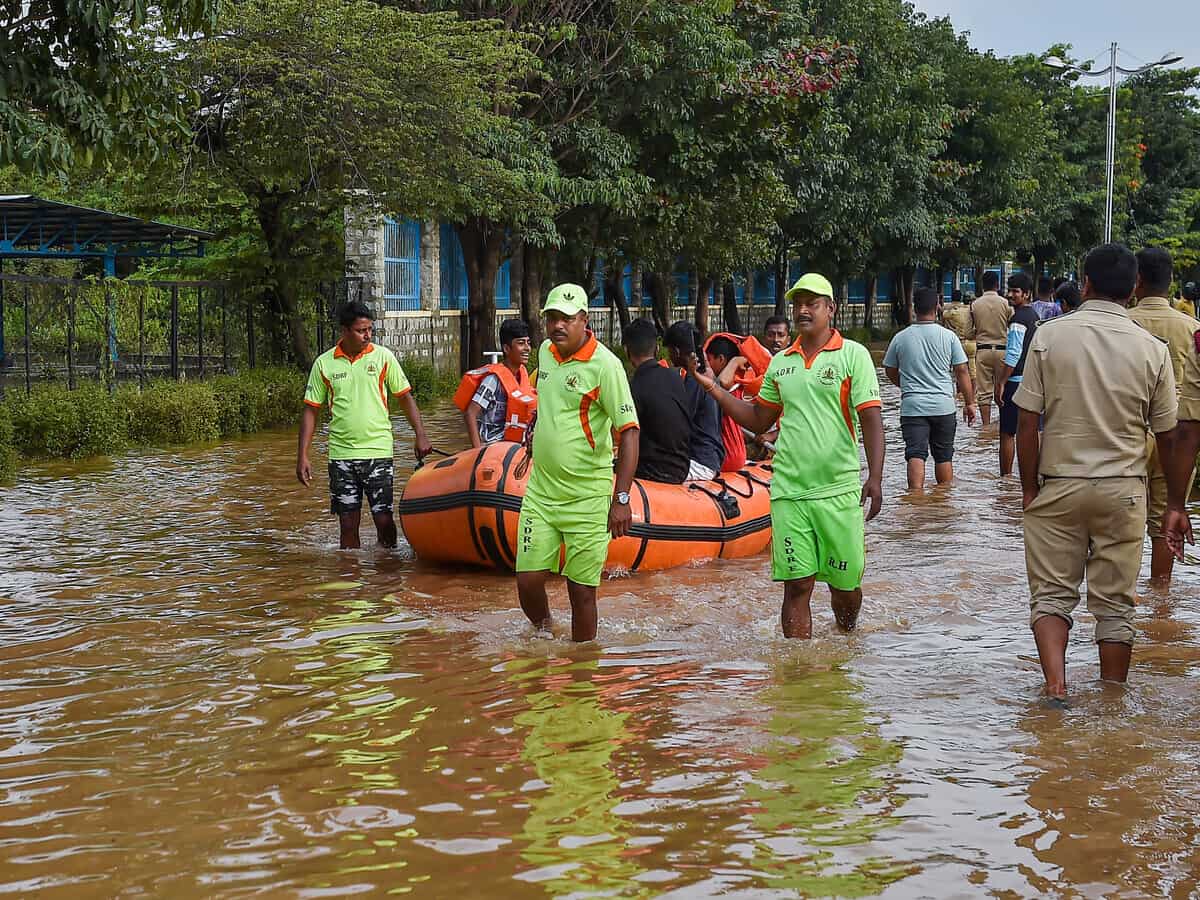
(978, 279)
(269, 207)
(1039, 265)
(614, 294)
(636, 287)
(869, 303)
(704, 288)
(663, 287)
(532, 267)
(781, 285)
(733, 317)
(482, 241)
(907, 277)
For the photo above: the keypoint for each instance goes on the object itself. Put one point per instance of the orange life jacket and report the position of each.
(757, 357)
(520, 396)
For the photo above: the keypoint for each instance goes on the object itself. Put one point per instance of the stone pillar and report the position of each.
(431, 267)
(364, 251)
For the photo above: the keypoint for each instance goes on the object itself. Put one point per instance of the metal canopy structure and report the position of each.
(34, 228)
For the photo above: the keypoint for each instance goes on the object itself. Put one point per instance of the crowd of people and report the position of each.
(1098, 404)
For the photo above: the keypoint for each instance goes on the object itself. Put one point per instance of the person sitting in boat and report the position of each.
(498, 402)
(738, 364)
(706, 449)
(663, 408)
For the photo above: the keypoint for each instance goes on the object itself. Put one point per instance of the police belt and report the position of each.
(989, 346)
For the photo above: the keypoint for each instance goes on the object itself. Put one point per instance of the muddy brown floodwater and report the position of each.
(203, 697)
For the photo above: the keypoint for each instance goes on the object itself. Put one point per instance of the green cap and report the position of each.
(568, 299)
(811, 283)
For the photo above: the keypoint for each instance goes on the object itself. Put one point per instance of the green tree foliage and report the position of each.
(305, 105)
(81, 79)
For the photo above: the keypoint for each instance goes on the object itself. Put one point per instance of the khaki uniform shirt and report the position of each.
(1189, 391)
(1101, 380)
(1157, 317)
(957, 317)
(991, 314)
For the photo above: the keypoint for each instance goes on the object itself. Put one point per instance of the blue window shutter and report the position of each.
(401, 264)
(453, 274)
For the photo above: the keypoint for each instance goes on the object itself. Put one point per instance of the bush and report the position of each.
(429, 382)
(55, 422)
(167, 412)
(8, 455)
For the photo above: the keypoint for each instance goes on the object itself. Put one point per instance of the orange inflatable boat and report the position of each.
(464, 509)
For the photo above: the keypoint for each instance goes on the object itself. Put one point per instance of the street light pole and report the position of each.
(1110, 152)
(1111, 162)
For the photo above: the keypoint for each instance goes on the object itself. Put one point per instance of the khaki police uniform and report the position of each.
(1101, 381)
(1177, 330)
(991, 314)
(957, 317)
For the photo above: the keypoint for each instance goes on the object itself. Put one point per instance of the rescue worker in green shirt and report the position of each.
(826, 390)
(572, 499)
(355, 379)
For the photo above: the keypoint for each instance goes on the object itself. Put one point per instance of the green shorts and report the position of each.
(544, 528)
(823, 537)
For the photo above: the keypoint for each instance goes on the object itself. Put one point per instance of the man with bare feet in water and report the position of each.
(1102, 382)
(575, 499)
(826, 389)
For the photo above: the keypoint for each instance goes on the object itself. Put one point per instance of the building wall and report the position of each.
(437, 335)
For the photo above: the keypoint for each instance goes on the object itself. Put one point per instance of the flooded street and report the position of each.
(203, 697)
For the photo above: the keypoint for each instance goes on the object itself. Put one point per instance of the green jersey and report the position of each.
(581, 400)
(817, 452)
(356, 390)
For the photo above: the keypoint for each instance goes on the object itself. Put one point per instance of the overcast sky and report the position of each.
(1144, 29)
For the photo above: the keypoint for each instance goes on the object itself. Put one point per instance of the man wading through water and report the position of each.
(825, 387)
(583, 399)
(356, 378)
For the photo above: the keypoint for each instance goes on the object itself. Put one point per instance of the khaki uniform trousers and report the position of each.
(969, 349)
(1092, 527)
(1156, 490)
(987, 365)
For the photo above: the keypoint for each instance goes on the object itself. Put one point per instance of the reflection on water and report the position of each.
(204, 697)
(822, 792)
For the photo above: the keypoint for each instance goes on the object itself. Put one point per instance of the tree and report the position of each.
(303, 103)
(82, 81)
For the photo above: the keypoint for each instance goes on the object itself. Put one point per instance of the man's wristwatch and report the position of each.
(621, 497)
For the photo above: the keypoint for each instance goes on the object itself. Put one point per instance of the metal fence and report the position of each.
(72, 331)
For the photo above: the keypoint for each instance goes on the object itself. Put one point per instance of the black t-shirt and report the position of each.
(707, 447)
(665, 424)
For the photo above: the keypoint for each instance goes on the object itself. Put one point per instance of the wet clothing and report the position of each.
(351, 479)
(580, 525)
(926, 354)
(699, 472)
(1010, 414)
(824, 537)
(705, 447)
(665, 415)
(356, 389)
(820, 399)
(1091, 527)
(582, 401)
(1102, 382)
(922, 433)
